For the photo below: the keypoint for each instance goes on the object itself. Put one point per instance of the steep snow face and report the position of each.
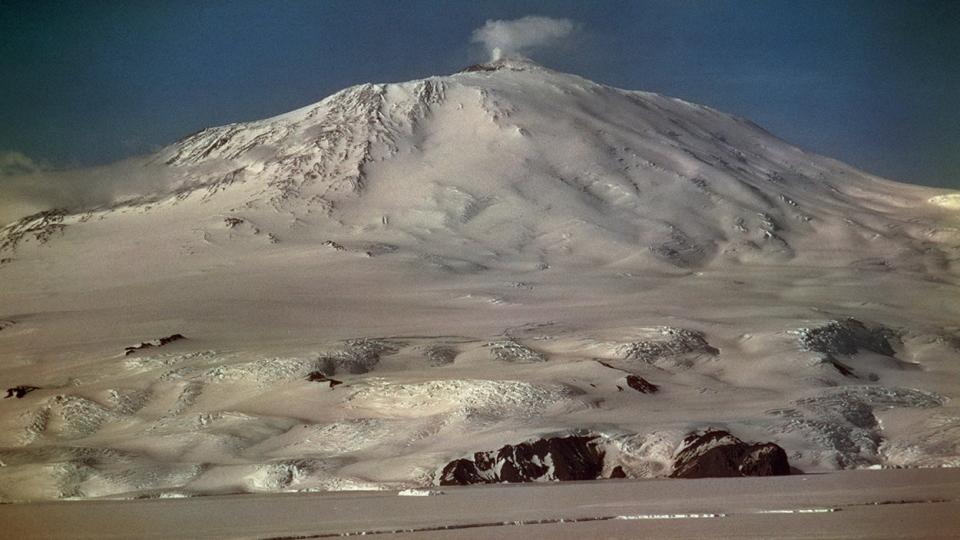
(367, 288)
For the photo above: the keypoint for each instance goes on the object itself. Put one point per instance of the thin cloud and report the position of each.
(13, 163)
(520, 36)
(28, 186)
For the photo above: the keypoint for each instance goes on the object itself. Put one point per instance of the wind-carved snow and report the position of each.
(842, 422)
(676, 346)
(470, 398)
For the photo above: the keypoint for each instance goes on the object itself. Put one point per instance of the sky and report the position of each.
(874, 83)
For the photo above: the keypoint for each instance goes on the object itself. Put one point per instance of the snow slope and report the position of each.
(480, 259)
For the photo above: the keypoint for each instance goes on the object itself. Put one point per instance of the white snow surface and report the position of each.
(479, 259)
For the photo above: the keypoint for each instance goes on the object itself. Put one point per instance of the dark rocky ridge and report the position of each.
(713, 453)
(641, 385)
(481, 67)
(716, 453)
(358, 356)
(155, 343)
(847, 337)
(556, 458)
(20, 391)
(676, 347)
(316, 376)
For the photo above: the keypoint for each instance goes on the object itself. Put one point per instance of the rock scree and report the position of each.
(717, 453)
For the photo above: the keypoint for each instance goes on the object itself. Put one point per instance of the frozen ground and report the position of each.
(402, 275)
(851, 504)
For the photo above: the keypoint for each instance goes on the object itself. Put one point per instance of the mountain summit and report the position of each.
(472, 262)
(513, 162)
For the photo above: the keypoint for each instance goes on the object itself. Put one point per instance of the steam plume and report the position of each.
(517, 36)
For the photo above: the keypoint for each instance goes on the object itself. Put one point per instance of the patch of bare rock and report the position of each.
(152, 344)
(713, 453)
(641, 385)
(318, 376)
(717, 453)
(846, 337)
(670, 346)
(20, 391)
(541, 460)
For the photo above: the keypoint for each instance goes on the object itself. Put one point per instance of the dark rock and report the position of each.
(847, 337)
(170, 339)
(641, 385)
(233, 222)
(318, 376)
(461, 472)
(675, 346)
(480, 67)
(358, 356)
(155, 343)
(552, 459)
(844, 369)
(41, 226)
(20, 391)
(336, 246)
(717, 453)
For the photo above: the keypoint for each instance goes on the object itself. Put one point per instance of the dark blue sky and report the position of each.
(873, 83)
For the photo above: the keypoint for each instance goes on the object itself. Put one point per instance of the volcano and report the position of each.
(476, 260)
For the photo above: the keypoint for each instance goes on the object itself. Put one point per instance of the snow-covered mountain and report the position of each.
(474, 260)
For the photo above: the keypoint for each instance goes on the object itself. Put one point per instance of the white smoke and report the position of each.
(517, 36)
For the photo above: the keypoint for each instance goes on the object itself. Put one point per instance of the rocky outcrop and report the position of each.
(847, 337)
(717, 453)
(155, 343)
(481, 67)
(713, 453)
(641, 385)
(20, 391)
(357, 356)
(669, 347)
(541, 460)
(440, 355)
(317, 376)
(39, 227)
(508, 350)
